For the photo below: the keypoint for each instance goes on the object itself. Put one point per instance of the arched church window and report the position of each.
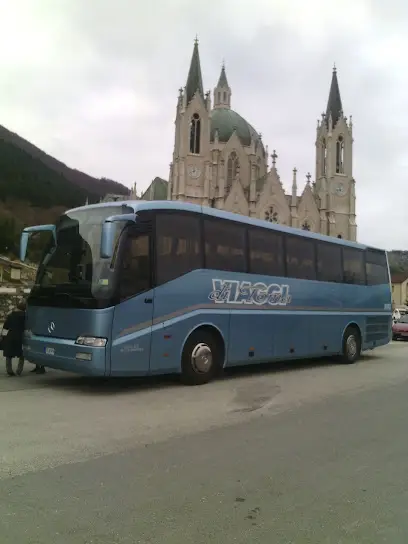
(195, 132)
(271, 215)
(324, 156)
(340, 155)
(232, 169)
(306, 225)
(225, 96)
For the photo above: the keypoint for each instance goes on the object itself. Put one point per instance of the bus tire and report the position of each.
(351, 345)
(202, 357)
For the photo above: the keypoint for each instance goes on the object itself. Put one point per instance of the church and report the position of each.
(220, 160)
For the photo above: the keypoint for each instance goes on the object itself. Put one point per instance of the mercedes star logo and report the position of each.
(51, 327)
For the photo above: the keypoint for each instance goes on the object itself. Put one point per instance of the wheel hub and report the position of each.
(202, 358)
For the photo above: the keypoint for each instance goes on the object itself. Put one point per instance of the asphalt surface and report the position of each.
(296, 453)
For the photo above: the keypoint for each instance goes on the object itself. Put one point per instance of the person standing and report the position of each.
(12, 338)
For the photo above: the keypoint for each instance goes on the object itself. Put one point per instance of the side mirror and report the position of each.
(27, 232)
(107, 238)
(109, 231)
(23, 245)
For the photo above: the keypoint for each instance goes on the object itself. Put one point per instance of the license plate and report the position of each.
(49, 351)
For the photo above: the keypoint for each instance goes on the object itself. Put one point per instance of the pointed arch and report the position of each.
(232, 170)
(324, 156)
(340, 155)
(258, 169)
(195, 134)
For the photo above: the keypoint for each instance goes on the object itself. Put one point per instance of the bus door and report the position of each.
(133, 315)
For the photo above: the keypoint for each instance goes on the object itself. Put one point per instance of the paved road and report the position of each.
(300, 453)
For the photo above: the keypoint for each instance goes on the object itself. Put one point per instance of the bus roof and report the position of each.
(139, 205)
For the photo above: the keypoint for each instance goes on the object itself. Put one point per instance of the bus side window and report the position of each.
(376, 268)
(353, 266)
(178, 245)
(329, 267)
(224, 245)
(135, 274)
(300, 258)
(266, 252)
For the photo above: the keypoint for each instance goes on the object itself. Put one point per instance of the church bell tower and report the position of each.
(335, 185)
(190, 168)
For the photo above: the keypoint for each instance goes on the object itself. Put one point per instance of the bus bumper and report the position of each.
(63, 354)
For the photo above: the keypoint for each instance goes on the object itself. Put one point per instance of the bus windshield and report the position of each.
(71, 273)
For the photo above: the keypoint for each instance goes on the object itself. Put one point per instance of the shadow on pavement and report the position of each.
(119, 386)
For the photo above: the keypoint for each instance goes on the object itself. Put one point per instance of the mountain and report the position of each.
(36, 188)
(93, 186)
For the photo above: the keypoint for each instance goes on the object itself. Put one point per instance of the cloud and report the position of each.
(117, 103)
(96, 85)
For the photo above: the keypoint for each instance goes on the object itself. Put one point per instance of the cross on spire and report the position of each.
(308, 177)
(274, 157)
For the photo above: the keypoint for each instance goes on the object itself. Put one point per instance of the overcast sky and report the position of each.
(95, 84)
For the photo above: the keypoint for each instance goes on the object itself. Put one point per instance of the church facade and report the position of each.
(220, 160)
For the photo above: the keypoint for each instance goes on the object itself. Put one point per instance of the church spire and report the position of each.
(194, 78)
(222, 92)
(334, 105)
(223, 81)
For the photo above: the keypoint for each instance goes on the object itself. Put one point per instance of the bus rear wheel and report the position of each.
(201, 358)
(351, 346)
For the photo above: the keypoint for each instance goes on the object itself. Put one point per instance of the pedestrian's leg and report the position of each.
(20, 366)
(9, 367)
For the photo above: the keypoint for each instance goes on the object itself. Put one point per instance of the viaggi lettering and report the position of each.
(246, 292)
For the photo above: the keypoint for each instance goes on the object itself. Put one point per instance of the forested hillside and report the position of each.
(99, 187)
(35, 188)
(23, 177)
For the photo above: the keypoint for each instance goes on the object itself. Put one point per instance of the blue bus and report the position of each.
(136, 288)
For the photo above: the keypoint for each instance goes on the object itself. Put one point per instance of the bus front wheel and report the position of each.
(351, 345)
(201, 358)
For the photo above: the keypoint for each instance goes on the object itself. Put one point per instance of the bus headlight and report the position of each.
(91, 341)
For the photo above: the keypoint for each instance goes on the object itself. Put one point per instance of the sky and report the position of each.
(95, 84)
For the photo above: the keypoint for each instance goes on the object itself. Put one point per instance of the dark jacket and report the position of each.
(12, 344)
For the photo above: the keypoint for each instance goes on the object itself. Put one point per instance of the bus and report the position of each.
(139, 288)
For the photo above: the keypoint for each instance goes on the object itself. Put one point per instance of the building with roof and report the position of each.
(157, 190)
(220, 160)
(399, 285)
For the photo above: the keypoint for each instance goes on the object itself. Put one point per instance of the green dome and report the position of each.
(225, 121)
